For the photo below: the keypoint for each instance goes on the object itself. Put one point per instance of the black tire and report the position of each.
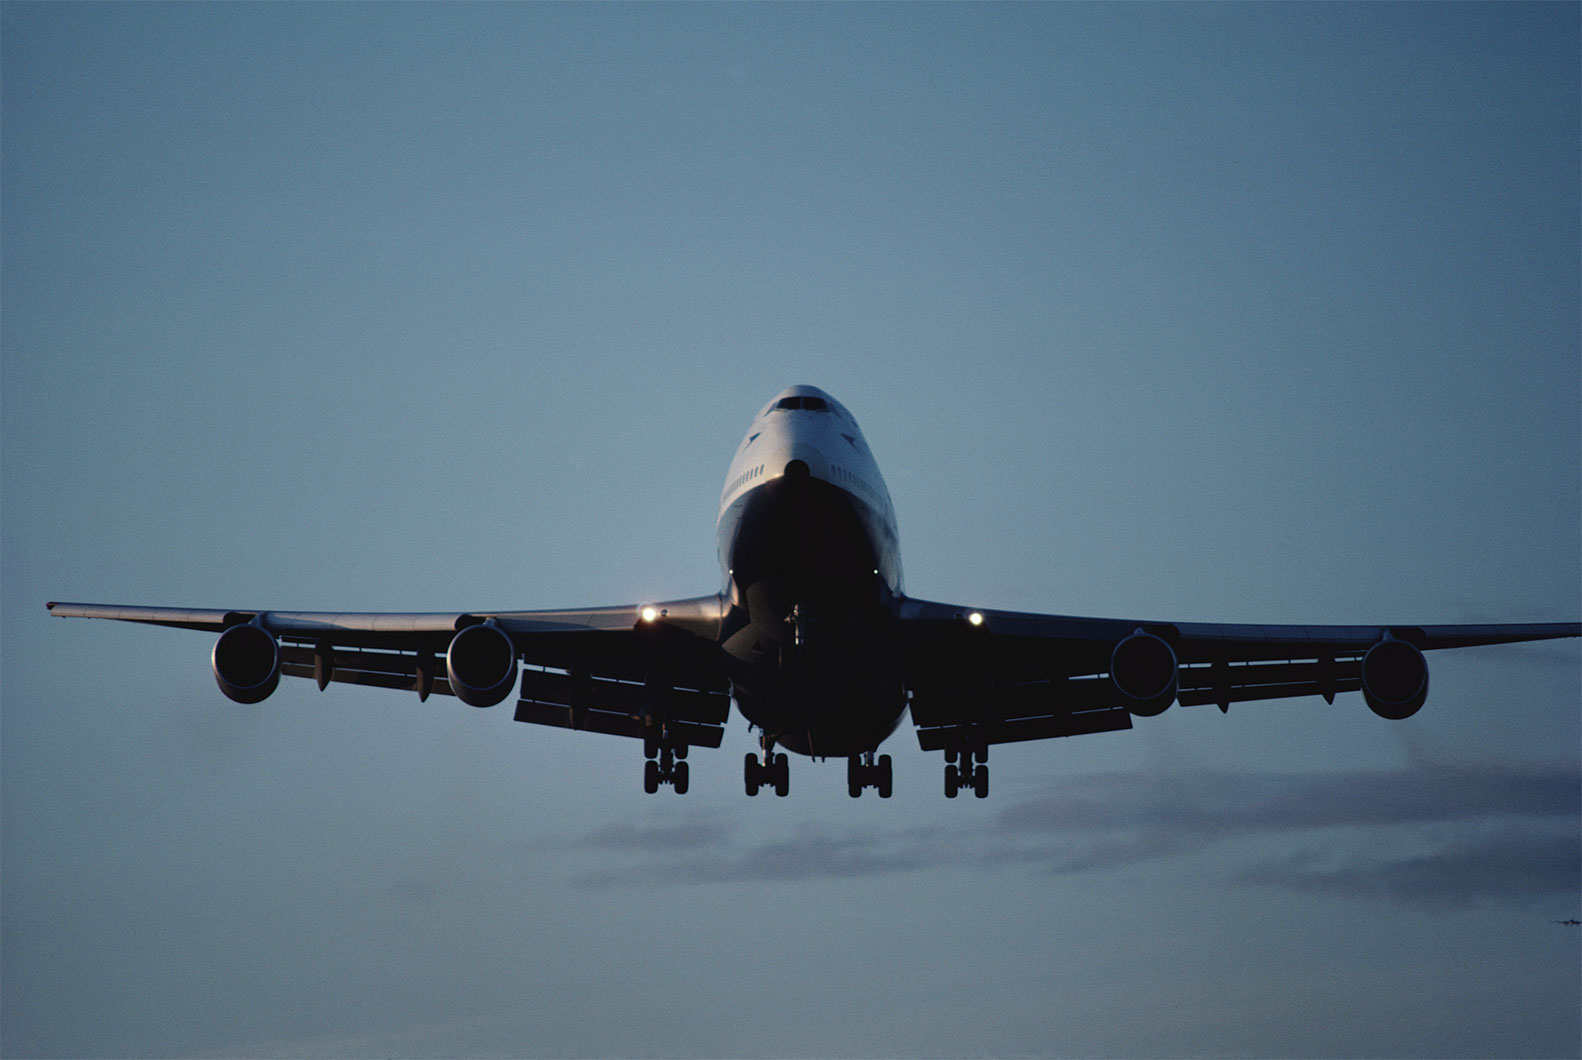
(750, 774)
(678, 778)
(885, 776)
(650, 776)
(952, 782)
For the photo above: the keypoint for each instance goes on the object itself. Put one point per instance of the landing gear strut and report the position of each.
(666, 762)
(774, 771)
(966, 775)
(866, 772)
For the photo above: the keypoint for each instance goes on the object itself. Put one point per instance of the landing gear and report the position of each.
(966, 775)
(865, 771)
(666, 763)
(773, 772)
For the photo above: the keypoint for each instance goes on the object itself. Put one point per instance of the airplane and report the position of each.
(814, 639)
(1569, 923)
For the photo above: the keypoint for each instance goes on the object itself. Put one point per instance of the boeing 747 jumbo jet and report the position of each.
(815, 640)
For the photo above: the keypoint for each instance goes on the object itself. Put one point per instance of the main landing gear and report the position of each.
(966, 775)
(865, 772)
(666, 764)
(773, 772)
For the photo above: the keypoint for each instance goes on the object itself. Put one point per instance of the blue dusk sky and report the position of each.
(1231, 312)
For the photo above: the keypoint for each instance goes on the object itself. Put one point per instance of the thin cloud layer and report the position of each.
(1451, 835)
(1490, 869)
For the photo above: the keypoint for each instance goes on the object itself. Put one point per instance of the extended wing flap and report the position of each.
(954, 715)
(614, 723)
(583, 699)
(1224, 683)
(1014, 730)
(380, 669)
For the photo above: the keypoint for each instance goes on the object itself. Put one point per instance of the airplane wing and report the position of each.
(977, 677)
(645, 671)
(982, 677)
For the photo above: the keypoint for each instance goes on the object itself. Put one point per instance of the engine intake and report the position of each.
(1394, 679)
(481, 665)
(1143, 668)
(246, 662)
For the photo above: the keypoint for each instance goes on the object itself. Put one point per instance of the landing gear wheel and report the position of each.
(663, 766)
(772, 771)
(864, 771)
(966, 775)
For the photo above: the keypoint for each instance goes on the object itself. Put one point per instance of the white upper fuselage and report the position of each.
(803, 423)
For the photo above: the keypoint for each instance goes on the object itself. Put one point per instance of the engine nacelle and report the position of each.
(1394, 679)
(246, 662)
(481, 665)
(1143, 668)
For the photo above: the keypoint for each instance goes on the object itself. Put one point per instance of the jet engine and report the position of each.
(246, 663)
(1394, 679)
(481, 665)
(1143, 668)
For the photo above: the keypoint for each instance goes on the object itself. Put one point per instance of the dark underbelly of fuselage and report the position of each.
(814, 662)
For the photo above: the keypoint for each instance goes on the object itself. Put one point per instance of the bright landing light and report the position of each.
(649, 613)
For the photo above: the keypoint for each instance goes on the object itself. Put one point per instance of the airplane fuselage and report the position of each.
(816, 642)
(811, 559)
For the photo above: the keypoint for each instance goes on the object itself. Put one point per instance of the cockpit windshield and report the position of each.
(807, 404)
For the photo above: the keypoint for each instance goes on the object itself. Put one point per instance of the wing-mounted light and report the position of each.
(1143, 669)
(481, 664)
(1394, 678)
(246, 661)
